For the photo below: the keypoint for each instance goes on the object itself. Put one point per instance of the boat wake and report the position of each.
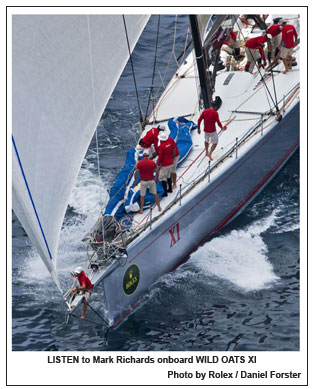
(88, 193)
(239, 257)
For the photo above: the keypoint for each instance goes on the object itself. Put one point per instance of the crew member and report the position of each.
(166, 153)
(254, 50)
(146, 167)
(233, 42)
(210, 117)
(175, 157)
(85, 287)
(288, 41)
(274, 43)
(151, 138)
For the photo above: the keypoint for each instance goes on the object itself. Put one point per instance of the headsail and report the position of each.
(202, 24)
(65, 68)
(217, 30)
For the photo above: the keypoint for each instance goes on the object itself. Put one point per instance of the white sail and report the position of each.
(65, 68)
(202, 24)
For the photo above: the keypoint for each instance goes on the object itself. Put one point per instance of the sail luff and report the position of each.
(202, 24)
(57, 101)
(31, 225)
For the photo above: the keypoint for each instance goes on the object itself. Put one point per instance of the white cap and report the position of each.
(78, 270)
(269, 36)
(145, 152)
(282, 21)
(163, 136)
(161, 127)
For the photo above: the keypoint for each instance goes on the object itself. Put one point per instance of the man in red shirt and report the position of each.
(210, 117)
(233, 42)
(175, 157)
(146, 167)
(288, 42)
(254, 50)
(85, 287)
(151, 138)
(167, 152)
(274, 44)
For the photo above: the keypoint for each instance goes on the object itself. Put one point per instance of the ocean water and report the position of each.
(239, 290)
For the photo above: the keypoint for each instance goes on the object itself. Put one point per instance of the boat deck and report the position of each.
(246, 101)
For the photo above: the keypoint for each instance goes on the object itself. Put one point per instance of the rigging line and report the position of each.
(186, 46)
(175, 33)
(132, 67)
(268, 100)
(30, 196)
(106, 323)
(90, 321)
(169, 60)
(153, 76)
(273, 81)
(94, 115)
(262, 79)
(94, 118)
(169, 88)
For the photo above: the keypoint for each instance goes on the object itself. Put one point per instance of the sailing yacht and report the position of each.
(128, 252)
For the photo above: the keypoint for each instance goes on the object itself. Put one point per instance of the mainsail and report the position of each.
(65, 68)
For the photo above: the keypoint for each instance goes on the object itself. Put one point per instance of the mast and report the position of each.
(200, 59)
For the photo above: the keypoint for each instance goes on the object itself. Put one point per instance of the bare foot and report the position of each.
(210, 157)
(285, 71)
(82, 317)
(159, 209)
(174, 187)
(140, 211)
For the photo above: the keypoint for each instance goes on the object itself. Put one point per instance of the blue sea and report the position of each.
(238, 292)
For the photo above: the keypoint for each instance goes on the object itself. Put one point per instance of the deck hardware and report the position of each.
(283, 103)
(180, 190)
(236, 148)
(261, 124)
(209, 162)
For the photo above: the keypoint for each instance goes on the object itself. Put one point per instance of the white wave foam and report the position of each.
(239, 257)
(286, 221)
(88, 198)
(85, 200)
(88, 193)
(34, 269)
(172, 279)
(288, 227)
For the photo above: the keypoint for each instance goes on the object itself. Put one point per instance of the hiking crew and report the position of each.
(85, 286)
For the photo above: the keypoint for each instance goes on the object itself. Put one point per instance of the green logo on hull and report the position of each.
(131, 279)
